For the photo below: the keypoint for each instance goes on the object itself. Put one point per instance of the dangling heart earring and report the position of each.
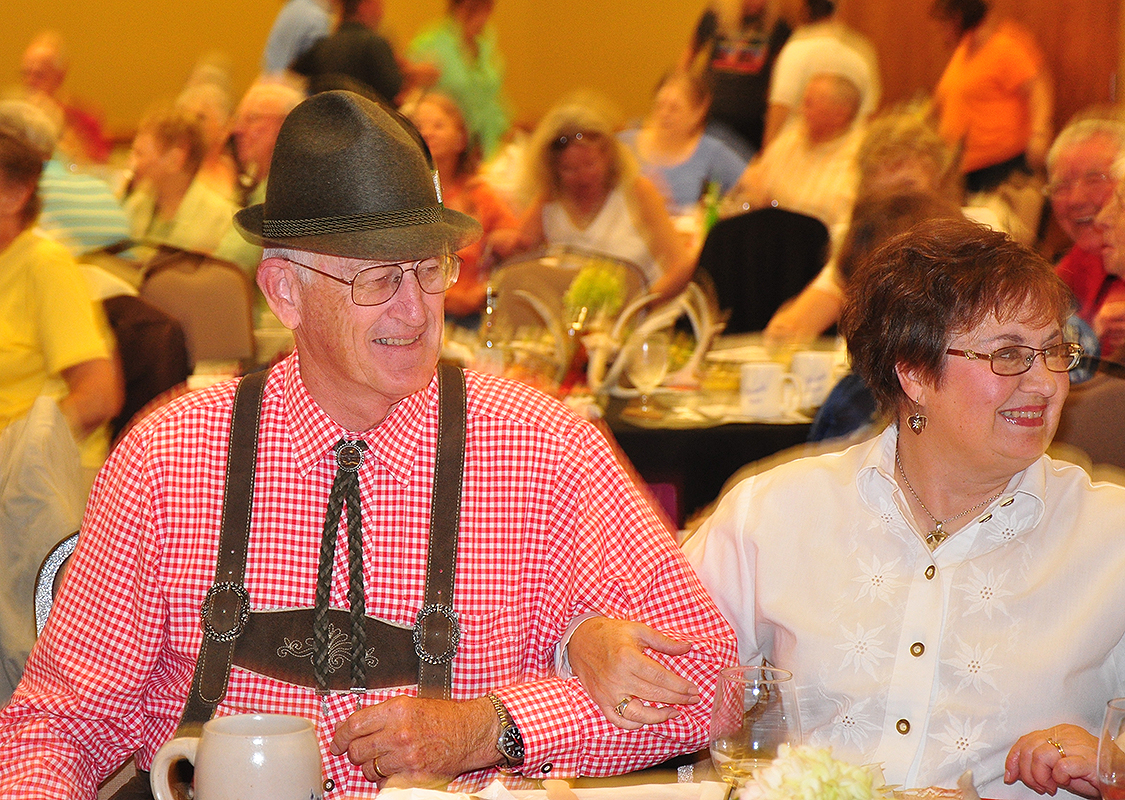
(917, 420)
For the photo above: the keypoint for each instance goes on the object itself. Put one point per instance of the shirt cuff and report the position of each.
(562, 657)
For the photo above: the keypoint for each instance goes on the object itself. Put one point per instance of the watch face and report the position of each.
(511, 744)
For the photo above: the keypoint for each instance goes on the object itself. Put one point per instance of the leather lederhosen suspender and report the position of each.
(274, 643)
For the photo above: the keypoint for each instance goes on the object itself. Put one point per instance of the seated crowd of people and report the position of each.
(578, 637)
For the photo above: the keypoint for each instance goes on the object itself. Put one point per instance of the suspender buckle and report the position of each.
(225, 611)
(452, 636)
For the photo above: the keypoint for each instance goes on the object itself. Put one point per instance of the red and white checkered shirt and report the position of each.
(550, 528)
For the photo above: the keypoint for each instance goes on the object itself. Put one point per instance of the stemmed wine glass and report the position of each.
(1111, 756)
(755, 713)
(647, 366)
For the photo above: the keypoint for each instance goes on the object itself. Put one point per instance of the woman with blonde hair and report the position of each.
(734, 46)
(587, 192)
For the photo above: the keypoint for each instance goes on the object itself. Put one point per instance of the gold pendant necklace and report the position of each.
(939, 533)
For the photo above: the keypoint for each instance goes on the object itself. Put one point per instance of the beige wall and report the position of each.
(126, 54)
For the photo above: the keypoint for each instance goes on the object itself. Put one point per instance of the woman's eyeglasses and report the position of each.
(1018, 358)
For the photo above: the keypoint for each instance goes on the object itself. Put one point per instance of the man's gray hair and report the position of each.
(1083, 130)
(30, 124)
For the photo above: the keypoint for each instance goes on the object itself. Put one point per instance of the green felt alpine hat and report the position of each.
(350, 178)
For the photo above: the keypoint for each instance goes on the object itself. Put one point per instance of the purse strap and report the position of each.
(226, 608)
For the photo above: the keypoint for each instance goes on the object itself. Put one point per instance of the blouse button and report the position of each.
(917, 649)
(903, 726)
(930, 572)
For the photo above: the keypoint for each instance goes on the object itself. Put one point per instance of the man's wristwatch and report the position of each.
(510, 743)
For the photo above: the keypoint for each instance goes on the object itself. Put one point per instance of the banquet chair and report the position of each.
(212, 300)
(758, 260)
(49, 577)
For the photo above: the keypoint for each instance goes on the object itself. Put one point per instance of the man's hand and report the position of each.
(1036, 761)
(408, 741)
(608, 656)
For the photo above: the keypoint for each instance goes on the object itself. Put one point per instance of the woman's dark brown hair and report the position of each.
(21, 165)
(938, 280)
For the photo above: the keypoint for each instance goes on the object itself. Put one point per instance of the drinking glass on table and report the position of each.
(1111, 756)
(648, 366)
(755, 712)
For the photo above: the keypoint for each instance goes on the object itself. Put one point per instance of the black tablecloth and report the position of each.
(698, 461)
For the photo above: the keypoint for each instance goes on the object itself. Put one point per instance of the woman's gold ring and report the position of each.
(619, 709)
(375, 766)
(1057, 746)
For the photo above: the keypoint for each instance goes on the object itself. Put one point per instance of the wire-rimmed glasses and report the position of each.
(1017, 359)
(373, 286)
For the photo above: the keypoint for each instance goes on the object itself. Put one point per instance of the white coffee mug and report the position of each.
(815, 368)
(767, 391)
(246, 757)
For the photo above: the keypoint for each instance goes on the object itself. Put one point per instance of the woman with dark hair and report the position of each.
(463, 48)
(734, 46)
(674, 149)
(439, 120)
(994, 99)
(947, 597)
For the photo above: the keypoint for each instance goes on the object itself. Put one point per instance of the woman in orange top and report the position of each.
(442, 125)
(994, 99)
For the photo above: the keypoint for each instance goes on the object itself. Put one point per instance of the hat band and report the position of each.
(280, 228)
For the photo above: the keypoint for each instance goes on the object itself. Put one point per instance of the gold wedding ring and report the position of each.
(379, 772)
(619, 709)
(1057, 746)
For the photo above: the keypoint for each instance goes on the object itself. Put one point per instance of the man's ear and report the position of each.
(14, 196)
(277, 278)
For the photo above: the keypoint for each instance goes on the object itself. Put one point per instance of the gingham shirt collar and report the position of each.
(393, 443)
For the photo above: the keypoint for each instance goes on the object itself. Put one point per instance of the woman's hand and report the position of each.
(608, 656)
(1072, 764)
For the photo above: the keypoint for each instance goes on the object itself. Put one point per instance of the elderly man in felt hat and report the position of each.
(419, 634)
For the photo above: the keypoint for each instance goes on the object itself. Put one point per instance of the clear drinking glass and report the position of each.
(1111, 756)
(648, 366)
(755, 713)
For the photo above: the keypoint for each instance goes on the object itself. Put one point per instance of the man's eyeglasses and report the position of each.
(1088, 182)
(567, 139)
(374, 286)
(1018, 358)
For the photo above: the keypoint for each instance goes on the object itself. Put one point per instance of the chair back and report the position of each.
(760, 259)
(212, 300)
(48, 578)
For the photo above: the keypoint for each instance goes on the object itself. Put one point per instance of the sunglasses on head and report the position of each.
(568, 139)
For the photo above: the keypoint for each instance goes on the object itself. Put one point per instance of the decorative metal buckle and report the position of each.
(243, 612)
(349, 455)
(454, 634)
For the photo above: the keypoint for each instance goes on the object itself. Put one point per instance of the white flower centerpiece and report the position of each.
(810, 773)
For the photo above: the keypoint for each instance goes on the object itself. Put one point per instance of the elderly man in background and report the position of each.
(523, 511)
(1080, 183)
(43, 69)
(298, 26)
(810, 167)
(254, 133)
(59, 385)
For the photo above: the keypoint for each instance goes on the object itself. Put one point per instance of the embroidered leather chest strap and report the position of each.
(437, 632)
(227, 605)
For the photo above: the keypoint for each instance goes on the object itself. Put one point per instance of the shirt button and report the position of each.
(903, 726)
(329, 785)
(930, 572)
(546, 769)
(917, 649)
